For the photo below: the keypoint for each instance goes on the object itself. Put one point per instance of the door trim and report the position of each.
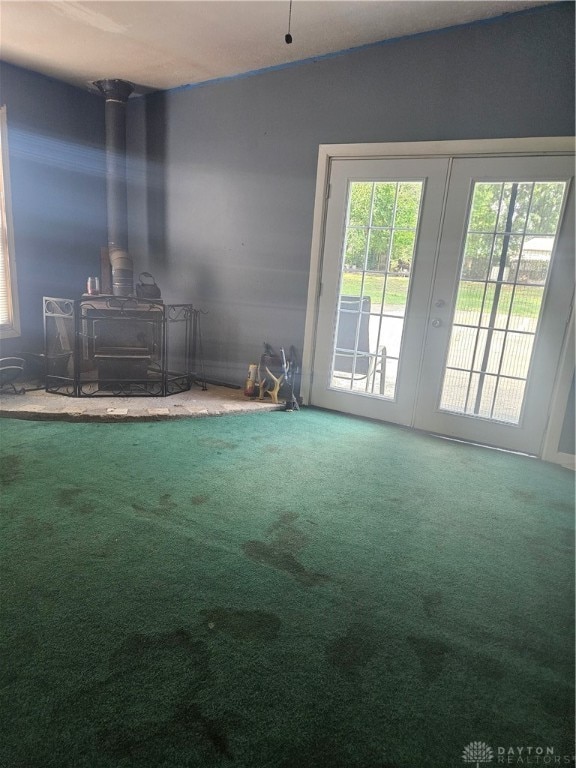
(329, 152)
(557, 415)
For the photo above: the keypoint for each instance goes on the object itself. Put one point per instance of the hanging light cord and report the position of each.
(288, 37)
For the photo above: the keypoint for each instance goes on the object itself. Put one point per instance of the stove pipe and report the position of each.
(116, 93)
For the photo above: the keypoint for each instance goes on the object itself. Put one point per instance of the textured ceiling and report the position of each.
(160, 45)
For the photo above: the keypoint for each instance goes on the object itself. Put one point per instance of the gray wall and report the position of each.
(226, 219)
(55, 138)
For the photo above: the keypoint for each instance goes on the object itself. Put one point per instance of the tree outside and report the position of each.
(381, 227)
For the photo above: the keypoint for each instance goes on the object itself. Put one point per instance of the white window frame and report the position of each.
(12, 328)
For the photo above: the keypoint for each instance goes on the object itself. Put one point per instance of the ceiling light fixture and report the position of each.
(288, 36)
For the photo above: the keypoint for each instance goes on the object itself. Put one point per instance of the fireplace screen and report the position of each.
(120, 346)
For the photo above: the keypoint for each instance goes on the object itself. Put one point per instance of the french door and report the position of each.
(446, 284)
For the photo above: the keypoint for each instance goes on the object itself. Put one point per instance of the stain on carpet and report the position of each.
(163, 507)
(67, 496)
(34, 529)
(352, 651)
(562, 506)
(147, 705)
(245, 625)
(558, 702)
(568, 534)
(529, 645)
(523, 495)
(188, 726)
(200, 499)
(10, 469)
(286, 541)
(286, 518)
(432, 654)
(486, 667)
(166, 501)
(286, 535)
(431, 602)
(213, 730)
(136, 643)
(534, 498)
(275, 557)
(538, 549)
(544, 551)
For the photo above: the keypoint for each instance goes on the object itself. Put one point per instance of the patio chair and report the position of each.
(354, 336)
(11, 369)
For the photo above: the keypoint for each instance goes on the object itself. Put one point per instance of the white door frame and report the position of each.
(559, 403)
(432, 175)
(328, 152)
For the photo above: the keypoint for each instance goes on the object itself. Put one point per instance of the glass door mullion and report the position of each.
(513, 285)
(496, 298)
(507, 326)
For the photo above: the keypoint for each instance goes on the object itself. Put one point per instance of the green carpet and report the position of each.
(279, 590)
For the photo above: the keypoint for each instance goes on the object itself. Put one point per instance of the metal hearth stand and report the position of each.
(116, 346)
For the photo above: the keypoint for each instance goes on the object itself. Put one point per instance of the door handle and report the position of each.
(440, 303)
(436, 322)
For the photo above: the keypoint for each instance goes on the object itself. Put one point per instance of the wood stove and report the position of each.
(120, 346)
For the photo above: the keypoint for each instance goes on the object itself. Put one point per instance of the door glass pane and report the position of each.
(511, 234)
(379, 241)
